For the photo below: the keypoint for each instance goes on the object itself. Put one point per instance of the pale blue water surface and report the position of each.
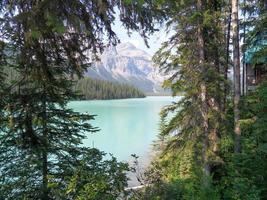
(127, 126)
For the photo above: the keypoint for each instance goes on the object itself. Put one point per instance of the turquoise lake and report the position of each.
(127, 126)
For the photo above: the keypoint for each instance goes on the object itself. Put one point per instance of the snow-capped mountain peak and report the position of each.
(126, 46)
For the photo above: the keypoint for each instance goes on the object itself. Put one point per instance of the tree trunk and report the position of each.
(203, 93)
(236, 59)
(45, 174)
(227, 60)
(44, 151)
(244, 75)
(216, 103)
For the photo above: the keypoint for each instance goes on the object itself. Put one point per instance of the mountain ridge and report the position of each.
(125, 63)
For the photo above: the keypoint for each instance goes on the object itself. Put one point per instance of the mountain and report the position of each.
(128, 64)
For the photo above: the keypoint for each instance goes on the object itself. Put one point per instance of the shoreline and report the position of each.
(123, 98)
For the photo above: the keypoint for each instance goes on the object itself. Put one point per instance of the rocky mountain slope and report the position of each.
(128, 64)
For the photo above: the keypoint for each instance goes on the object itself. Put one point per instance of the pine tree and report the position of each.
(196, 56)
(47, 44)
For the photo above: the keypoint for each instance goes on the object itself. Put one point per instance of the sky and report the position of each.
(154, 41)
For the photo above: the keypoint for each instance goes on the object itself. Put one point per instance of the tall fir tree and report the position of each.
(195, 55)
(47, 44)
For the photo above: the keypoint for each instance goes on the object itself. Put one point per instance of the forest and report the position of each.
(212, 142)
(88, 88)
(100, 89)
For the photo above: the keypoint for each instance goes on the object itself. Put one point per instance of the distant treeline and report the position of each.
(89, 88)
(99, 89)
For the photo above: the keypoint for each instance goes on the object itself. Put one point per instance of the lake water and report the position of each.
(128, 126)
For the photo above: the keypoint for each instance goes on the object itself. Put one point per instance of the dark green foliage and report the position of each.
(244, 175)
(178, 172)
(160, 191)
(95, 178)
(241, 176)
(170, 177)
(46, 43)
(38, 129)
(99, 89)
(195, 52)
(82, 174)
